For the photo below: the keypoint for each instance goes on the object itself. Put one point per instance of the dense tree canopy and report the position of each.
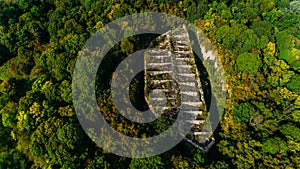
(258, 43)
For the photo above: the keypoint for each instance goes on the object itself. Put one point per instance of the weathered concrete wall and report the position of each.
(170, 71)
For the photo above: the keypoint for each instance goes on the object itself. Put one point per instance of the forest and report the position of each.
(258, 42)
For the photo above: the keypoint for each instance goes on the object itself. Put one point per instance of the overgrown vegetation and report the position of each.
(258, 43)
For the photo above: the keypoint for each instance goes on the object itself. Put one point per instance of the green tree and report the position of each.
(293, 84)
(290, 131)
(196, 10)
(243, 112)
(248, 62)
(178, 162)
(13, 160)
(285, 46)
(98, 162)
(295, 7)
(263, 28)
(9, 114)
(274, 145)
(146, 163)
